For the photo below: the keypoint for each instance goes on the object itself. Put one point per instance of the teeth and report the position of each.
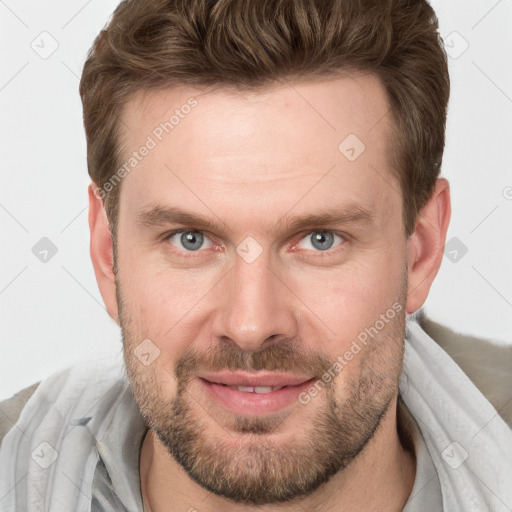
(256, 389)
(263, 389)
(247, 389)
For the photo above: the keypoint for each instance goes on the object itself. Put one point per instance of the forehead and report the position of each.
(261, 151)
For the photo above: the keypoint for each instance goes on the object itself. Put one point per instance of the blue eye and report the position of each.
(320, 240)
(193, 241)
(189, 240)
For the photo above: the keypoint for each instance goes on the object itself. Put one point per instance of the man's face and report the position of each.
(253, 293)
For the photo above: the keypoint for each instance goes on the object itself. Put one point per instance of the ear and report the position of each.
(425, 246)
(101, 248)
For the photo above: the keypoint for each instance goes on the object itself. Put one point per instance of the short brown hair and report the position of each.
(154, 44)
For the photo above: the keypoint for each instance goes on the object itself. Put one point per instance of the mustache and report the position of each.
(284, 357)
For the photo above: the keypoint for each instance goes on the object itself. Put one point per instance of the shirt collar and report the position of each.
(426, 493)
(120, 449)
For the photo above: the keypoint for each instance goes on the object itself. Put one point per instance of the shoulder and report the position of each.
(488, 365)
(62, 389)
(11, 408)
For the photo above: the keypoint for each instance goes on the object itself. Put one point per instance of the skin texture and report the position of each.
(250, 162)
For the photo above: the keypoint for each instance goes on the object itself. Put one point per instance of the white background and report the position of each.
(52, 313)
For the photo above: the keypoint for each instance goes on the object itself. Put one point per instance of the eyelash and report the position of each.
(328, 252)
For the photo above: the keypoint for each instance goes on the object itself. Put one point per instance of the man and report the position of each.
(266, 219)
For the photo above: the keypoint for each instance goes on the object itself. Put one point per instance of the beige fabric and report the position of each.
(10, 409)
(488, 365)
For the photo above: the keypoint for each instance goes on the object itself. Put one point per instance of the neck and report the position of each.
(381, 475)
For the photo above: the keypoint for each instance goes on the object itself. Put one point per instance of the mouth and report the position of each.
(253, 389)
(250, 395)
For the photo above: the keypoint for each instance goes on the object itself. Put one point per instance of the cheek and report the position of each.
(156, 287)
(166, 305)
(352, 297)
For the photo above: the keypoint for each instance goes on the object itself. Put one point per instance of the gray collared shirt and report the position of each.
(116, 484)
(426, 493)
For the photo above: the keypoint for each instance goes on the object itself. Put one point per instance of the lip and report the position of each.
(254, 404)
(270, 379)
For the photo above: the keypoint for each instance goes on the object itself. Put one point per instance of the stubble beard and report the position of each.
(258, 469)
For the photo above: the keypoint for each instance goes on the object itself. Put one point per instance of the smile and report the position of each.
(255, 400)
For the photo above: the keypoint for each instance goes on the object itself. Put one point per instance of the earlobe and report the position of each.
(426, 245)
(101, 249)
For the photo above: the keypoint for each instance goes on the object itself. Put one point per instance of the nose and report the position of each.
(255, 304)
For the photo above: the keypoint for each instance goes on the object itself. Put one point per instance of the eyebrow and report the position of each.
(352, 214)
